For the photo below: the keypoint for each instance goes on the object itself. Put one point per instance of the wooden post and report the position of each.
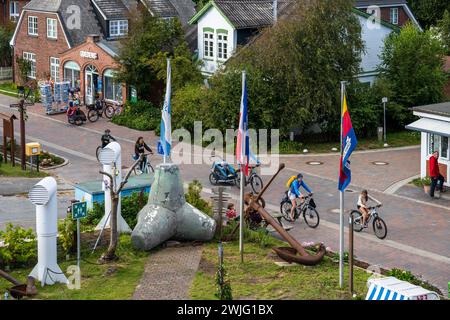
(5, 152)
(13, 146)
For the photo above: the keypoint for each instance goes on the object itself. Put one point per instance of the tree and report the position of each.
(428, 12)
(444, 30)
(24, 67)
(293, 69)
(6, 33)
(149, 39)
(412, 65)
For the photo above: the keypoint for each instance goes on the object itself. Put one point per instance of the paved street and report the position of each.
(418, 229)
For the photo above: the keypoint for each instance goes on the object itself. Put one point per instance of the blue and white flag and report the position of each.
(166, 121)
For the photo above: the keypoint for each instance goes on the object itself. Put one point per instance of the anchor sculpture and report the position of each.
(296, 253)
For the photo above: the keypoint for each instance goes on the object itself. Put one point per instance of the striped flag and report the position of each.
(243, 141)
(166, 122)
(349, 143)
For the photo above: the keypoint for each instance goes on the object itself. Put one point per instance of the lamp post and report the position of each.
(384, 100)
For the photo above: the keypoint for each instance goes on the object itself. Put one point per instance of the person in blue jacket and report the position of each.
(294, 192)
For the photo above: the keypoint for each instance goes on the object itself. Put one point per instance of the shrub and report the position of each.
(193, 196)
(20, 246)
(405, 275)
(141, 115)
(420, 182)
(67, 229)
(48, 159)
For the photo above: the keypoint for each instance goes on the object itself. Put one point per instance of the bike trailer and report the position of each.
(390, 288)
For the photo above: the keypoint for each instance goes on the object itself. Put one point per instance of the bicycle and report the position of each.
(95, 112)
(378, 224)
(113, 109)
(307, 209)
(254, 179)
(148, 168)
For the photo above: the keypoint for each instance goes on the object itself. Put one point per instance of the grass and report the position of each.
(7, 170)
(259, 278)
(9, 89)
(114, 281)
(394, 139)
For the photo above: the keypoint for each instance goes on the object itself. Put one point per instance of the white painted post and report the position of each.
(111, 158)
(43, 195)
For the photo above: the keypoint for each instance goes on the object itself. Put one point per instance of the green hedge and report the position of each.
(141, 115)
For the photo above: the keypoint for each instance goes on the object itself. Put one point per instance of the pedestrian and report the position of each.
(436, 177)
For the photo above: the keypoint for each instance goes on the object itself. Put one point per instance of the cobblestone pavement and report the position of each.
(169, 273)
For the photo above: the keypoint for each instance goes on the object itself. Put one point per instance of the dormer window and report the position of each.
(118, 28)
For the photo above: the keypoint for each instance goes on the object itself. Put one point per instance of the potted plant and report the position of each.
(423, 182)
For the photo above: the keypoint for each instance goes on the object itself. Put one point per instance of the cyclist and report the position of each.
(294, 192)
(363, 199)
(106, 138)
(139, 148)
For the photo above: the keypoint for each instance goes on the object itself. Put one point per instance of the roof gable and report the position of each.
(367, 3)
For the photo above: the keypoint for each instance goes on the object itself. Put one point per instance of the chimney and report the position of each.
(91, 38)
(275, 11)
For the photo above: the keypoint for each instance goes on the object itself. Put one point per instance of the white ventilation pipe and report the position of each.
(43, 195)
(275, 11)
(111, 157)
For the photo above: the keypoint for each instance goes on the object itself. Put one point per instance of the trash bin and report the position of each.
(380, 133)
(391, 288)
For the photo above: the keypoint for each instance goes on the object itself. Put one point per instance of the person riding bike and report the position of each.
(363, 200)
(294, 192)
(106, 138)
(139, 149)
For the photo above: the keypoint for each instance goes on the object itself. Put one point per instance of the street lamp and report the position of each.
(384, 100)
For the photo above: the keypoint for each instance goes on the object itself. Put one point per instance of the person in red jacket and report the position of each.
(436, 177)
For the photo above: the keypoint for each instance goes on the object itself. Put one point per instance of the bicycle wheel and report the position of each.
(97, 152)
(109, 111)
(150, 168)
(285, 210)
(357, 221)
(93, 115)
(256, 183)
(379, 227)
(311, 217)
(78, 121)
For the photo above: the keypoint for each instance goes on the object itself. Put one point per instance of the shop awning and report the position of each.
(433, 126)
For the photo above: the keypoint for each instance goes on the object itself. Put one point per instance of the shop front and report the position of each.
(90, 67)
(434, 125)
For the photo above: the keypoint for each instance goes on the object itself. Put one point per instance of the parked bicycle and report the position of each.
(95, 111)
(113, 109)
(307, 209)
(378, 224)
(254, 179)
(147, 166)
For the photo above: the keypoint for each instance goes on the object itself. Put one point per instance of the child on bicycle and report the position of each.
(363, 200)
(139, 148)
(231, 212)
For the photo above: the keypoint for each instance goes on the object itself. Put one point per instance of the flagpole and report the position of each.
(241, 195)
(341, 206)
(166, 105)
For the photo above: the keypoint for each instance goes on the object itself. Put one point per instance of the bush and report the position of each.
(20, 246)
(48, 159)
(420, 182)
(409, 277)
(193, 196)
(67, 229)
(141, 115)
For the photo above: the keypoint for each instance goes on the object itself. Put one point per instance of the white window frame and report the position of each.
(120, 27)
(437, 145)
(222, 47)
(14, 10)
(394, 16)
(32, 25)
(109, 73)
(52, 28)
(208, 45)
(31, 57)
(54, 68)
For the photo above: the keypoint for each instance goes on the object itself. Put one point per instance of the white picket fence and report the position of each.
(6, 73)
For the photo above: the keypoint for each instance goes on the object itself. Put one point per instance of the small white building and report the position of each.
(223, 25)
(434, 124)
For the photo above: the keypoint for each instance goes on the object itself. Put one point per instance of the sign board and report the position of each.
(89, 55)
(79, 210)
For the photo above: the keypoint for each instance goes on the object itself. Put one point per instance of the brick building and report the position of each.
(10, 10)
(396, 12)
(78, 40)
